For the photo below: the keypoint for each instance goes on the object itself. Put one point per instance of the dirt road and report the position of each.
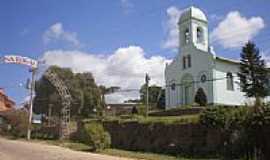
(20, 150)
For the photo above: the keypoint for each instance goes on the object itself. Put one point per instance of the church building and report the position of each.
(197, 68)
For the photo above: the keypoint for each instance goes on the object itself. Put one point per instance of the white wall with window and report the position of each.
(227, 84)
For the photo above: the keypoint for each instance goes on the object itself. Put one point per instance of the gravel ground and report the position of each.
(22, 150)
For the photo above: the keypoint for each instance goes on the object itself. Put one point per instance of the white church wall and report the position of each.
(201, 63)
(222, 94)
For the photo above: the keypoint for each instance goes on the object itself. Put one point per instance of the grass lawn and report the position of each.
(171, 119)
(184, 119)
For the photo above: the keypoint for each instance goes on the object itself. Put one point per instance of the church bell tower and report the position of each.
(193, 30)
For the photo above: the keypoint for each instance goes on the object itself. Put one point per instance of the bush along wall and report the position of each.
(178, 139)
(245, 130)
(93, 134)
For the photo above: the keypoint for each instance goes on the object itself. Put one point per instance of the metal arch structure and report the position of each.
(55, 81)
(66, 98)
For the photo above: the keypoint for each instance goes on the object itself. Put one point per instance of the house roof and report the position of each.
(233, 61)
(9, 104)
(122, 104)
(227, 60)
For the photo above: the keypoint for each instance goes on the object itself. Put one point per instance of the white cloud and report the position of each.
(120, 97)
(57, 32)
(126, 67)
(235, 30)
(172, 32)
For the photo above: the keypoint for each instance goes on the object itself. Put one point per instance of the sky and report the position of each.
(118, 40)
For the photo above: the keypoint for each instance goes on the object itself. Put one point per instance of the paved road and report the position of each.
(21, 150)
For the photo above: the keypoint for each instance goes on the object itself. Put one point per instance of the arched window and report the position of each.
(230, 81)
(200, 36)
(189, 60)
(173, 86)
(187, 36)
(184, 62)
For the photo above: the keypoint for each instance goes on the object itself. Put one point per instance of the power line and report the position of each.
(193, 82)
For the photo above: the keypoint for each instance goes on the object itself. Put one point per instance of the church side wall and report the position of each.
(223, 96)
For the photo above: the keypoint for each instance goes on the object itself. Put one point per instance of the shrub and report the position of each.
(19, 123)
(245, 130)
(200, 97)
(229, 121)
(94, 135)
(134, 110)
(142, 110)
(256, 125)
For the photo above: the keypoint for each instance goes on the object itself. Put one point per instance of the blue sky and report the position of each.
(100, 31)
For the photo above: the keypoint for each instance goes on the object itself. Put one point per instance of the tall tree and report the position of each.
(154, 93)
(85, 94)
(253, 72)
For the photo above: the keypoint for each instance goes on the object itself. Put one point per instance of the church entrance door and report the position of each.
(187, 90)
(187, 94)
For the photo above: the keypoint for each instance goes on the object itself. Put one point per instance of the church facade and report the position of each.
(196, 67)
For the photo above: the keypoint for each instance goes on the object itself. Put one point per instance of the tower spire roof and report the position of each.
(192, 13)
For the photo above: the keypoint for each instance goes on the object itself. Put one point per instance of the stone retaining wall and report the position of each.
(187, 139)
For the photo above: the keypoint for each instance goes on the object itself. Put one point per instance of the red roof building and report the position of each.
(6, 103)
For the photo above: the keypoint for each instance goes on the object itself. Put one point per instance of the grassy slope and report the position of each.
(114, 152)
(164, 119)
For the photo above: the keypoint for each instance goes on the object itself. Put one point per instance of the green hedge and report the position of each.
(245, 130)
(93, 134)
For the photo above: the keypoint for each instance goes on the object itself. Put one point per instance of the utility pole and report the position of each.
(147, 79)
(33, 70)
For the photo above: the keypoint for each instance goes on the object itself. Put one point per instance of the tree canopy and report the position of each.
(156, 95)
(86, 95)
(253, 73)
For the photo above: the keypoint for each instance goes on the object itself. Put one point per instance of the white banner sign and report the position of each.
(20, 60)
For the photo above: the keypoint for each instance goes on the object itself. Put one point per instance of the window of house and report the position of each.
(187, 36)
(189, 60)
(173, 86)
(184, 62)
(229, 79)
(200, 37)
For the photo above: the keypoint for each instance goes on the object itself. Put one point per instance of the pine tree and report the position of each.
(253, 72)
(200, 97)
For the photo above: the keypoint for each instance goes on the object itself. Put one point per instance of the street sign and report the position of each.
(20, 60)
